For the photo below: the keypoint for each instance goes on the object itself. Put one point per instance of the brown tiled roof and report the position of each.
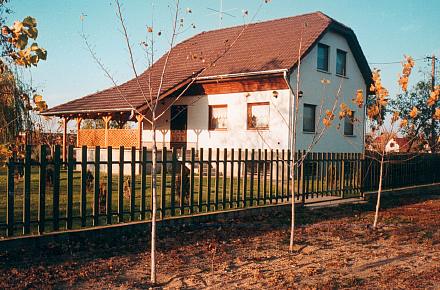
(259, 47)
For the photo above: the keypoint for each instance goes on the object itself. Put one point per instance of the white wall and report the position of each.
(314, 93)
(237, 135)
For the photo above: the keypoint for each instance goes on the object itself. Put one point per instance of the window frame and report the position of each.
(327, 47)
(344, 53)
(314, 118)
(351, 123)
(210, 125)
(249, 115)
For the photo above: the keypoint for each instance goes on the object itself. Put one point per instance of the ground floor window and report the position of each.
(218, 117)
(258, 116)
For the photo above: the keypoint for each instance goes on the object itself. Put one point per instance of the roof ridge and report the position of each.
(321, 14)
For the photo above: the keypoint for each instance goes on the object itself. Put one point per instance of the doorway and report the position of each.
(178, 126)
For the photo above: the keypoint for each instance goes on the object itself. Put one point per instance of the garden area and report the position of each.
(335, 247)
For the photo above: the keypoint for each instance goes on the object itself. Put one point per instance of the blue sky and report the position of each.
(385, 29)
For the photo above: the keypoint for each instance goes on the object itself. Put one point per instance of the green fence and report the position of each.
(104, 186)
(401, 170)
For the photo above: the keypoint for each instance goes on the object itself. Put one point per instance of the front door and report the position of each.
(178, 126)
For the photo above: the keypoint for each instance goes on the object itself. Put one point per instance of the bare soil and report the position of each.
(335, 248)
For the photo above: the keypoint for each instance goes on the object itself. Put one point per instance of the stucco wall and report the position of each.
(314, 92)
(238, 136)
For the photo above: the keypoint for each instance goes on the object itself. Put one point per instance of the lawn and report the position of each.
(336, 248)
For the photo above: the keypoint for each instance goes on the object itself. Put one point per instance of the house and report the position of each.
(244, 99)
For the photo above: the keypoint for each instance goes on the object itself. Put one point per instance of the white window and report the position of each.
(258, 116)
(218, 117)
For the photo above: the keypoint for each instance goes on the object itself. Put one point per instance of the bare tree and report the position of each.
(152, 90)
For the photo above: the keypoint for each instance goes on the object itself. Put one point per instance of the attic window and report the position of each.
(322, 62)
(341, 62)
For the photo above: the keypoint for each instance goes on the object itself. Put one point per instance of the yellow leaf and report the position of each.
(414, 112)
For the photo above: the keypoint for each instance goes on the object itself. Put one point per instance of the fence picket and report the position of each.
(56, 188)
(163, 186)
(27, 191)
(10, 197)
(109, 197)
(70, 165)
(97, 181)
(42, 191)
(121, 185)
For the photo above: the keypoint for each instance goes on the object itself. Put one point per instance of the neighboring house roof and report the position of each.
(261, 48)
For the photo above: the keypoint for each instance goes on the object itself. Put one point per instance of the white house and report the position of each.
(233, 88)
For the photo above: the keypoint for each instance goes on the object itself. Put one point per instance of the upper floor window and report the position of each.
(349, 125)
(218, 117)
(341, 62)
(258, 115)
(309, 118)
(323, 51)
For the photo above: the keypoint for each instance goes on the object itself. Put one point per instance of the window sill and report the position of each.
(323, 71)
(342, 76)
(258, 129)
(309, 132)
(352, 136)
(217, 130)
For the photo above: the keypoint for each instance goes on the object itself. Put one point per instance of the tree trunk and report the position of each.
(154, 206)
(379, 191)
(292, 181)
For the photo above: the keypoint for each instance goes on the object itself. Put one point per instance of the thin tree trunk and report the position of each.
(379, 191)
(154, 206)
(292, 181)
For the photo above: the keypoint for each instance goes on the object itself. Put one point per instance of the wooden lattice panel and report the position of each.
(123, 137)
(116, 137)
(91, 137)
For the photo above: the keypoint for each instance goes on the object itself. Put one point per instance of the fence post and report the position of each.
(173, 181)
(182, 182)
(251, 180)
(209, 179)
(225, 170)
(96, 191)
(109, 185)
(56, 188)
(70, 165)
(143, 182)
(133, 184)
(191, 182)
(10, 197)
(163, 186)
(27, 191)
(200, 180)
(245, 175)
(42, 191)
(231, 181)
(83, 185)
(121, 185)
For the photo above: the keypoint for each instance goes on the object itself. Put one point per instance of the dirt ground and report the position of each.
(335, 248)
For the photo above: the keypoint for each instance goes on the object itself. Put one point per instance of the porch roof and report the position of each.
(259, 48)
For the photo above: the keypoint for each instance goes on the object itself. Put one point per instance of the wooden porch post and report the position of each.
(78, 128)
(139, 119)
(106, 121)
(65, 121)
